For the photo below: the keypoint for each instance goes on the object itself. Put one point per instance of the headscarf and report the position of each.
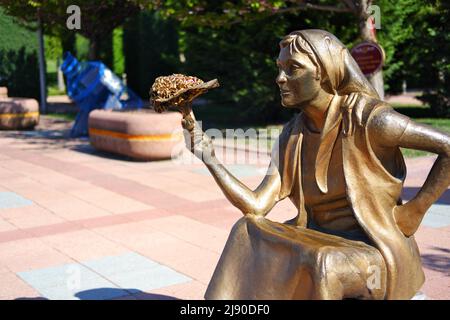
(344, 78)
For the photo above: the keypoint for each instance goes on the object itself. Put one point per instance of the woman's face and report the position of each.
(297, 78)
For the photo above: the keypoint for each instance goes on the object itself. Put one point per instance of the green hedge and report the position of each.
(19, 68)
(150, 47)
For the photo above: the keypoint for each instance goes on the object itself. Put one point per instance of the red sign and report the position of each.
(369, 56)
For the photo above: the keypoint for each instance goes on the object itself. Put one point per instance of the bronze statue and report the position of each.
(339, 162)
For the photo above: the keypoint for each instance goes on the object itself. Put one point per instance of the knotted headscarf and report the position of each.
(342, 76)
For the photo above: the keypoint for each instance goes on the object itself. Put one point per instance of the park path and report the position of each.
(80, 224)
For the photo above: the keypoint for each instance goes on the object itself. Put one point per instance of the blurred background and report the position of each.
(233, 41)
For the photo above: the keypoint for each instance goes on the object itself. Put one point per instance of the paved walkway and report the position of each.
(79, 224)
(408, 98)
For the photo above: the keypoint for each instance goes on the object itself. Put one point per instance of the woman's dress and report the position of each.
(330, 259)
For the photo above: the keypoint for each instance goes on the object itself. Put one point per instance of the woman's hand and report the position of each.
(196, 140)
(408, 217)
(257, 202)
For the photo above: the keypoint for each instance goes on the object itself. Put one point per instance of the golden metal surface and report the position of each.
(339, 162)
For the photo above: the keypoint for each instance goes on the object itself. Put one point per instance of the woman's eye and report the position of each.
(294, 68)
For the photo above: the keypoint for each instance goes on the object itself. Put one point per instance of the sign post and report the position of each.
(369, 56)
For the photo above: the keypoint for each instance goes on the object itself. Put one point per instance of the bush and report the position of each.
(243, 60)
(439, 102)
(150, 46)
(242, 56)
(19, 68)
(439, 99)
(19, 72)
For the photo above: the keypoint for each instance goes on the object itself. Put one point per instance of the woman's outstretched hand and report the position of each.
(196, 140)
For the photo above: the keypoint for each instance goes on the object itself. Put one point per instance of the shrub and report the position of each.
(19, 72)
(19, 69)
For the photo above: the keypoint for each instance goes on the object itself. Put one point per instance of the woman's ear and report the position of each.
(319, 73)
(326, 85)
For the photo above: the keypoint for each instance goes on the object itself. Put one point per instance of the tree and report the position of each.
(432, 27)
(227, 13)
(98, 18)
(18, 59)
(150, 46)
(243, 57)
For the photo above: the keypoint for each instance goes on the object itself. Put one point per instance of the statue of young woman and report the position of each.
(339, 162)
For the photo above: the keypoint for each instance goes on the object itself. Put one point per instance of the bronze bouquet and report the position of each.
(178, 91)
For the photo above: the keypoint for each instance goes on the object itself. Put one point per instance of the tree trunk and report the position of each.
(93, 47)
(367, 34)
(60, 76)
(42, 71)
(68, 42)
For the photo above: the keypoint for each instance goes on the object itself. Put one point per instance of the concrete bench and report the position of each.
(142, 135)
(3, 92)
(18, 113)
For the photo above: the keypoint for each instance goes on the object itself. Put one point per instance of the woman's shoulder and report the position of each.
(380, 119)
(366, 106)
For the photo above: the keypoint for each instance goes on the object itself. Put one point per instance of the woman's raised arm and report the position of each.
(393, 129)
(259, 201)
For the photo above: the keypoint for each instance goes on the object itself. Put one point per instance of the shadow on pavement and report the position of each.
(116, 293)
(111, 294)
(439, 262)
(90, 150)
(410, 192)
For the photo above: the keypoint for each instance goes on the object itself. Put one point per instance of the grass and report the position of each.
(50, 66)
(63, 116)
(52, 79)
(422, 114)
(52, 90)
(438, 123)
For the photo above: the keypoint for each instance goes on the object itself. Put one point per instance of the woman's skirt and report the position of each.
(267, 260)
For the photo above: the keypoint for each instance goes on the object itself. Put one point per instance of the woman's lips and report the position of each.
(284, 93)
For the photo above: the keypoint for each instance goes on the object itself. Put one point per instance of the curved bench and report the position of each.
(18, 113)
(142, 134)
(3, 92)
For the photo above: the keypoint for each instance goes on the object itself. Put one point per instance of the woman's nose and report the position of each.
(281, 78)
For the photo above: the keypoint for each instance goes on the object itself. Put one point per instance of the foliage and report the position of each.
(242, 53)
(53, 48)
(223, 13)
(13, 36)
(81, 47)
(151, 49)
(118, 57)
(243, 60)
(98, 18)
(224, 28)
(236, 41)
(397, 28)
(430, 55)
(19, 73)
(18, 57)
